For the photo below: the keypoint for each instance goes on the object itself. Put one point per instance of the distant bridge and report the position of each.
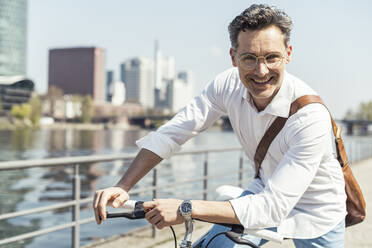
(148, 121)
(353, 127)
(360, 127)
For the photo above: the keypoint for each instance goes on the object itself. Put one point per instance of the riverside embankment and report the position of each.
(358, 236)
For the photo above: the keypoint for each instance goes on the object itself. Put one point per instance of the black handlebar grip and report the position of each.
(139, 212)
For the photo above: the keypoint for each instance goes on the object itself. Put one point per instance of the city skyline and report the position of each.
(331, 39)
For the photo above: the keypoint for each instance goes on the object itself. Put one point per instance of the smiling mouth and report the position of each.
(263, 81)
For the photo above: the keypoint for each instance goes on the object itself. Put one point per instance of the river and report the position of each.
(25, 189)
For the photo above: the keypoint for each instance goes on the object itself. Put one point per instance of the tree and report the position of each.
(364, 111)
(87, 109)
(21, 111)
(35, 103)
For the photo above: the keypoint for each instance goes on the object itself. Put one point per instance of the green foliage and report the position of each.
(21, 111)
(87, 109)
(364, 111)
(35, 103)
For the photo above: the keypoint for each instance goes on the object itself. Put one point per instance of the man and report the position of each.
(300, 188)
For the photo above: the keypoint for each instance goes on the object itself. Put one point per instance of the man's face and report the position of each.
(261, 81)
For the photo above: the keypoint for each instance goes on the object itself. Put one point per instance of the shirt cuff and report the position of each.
(240, 206)
(159, 144)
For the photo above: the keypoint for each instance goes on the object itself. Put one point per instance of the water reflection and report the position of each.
(25, 189)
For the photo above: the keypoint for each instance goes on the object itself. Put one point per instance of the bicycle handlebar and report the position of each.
(134, 210)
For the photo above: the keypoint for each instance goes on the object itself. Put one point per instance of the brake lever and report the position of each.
(238, 238)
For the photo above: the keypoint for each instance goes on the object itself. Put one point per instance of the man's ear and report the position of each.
(289, 51)
(232, 55)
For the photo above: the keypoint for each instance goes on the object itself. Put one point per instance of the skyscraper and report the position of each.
(79, 71)
(138, 76)
(181, 90)
(13, 37)
(109, 81)
(164, 74)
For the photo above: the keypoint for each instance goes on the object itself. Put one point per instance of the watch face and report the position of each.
(186, 207)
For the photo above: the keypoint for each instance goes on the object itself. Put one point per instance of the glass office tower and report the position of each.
(13, 37)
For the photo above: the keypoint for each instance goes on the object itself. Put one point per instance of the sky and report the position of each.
(332, 39)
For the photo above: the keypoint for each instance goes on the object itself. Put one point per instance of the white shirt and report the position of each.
(300, 188)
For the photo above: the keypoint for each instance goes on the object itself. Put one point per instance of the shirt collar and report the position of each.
(281, 103)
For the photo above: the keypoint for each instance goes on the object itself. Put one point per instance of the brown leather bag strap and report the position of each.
(279, 123)
(266, 140)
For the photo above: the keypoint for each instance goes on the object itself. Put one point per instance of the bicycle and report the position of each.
(134, 210)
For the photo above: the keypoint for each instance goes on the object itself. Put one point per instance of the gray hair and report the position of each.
(259, 16)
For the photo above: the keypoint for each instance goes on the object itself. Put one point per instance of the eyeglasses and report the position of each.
(271, 60)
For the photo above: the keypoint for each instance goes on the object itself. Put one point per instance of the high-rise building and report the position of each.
(164, 74)
(181, 90)
(13, 37)
(79, 71)
(109, 81)
(138, 76)
(117, 93)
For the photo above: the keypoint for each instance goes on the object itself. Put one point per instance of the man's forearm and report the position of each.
(214, 211)
(141, 165)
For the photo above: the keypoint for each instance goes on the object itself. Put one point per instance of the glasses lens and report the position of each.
(273, 60)
(248, 61)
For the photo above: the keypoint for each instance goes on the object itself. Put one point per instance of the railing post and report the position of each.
(76, 208)
(241, 170)
(205, 180)
(154, 193)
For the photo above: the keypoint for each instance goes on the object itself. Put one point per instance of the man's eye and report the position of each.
(272, 57)
(249, 59)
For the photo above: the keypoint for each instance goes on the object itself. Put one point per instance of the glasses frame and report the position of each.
(282, 57)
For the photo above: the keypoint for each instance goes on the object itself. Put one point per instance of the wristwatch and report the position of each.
(186, 209)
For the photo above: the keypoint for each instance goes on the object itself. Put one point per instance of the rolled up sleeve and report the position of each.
(197, 116)
(307, 138)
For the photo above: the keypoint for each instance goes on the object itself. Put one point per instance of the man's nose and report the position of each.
(261, 69)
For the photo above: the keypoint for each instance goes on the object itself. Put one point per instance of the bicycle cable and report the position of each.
(214, 238)
(174, 237)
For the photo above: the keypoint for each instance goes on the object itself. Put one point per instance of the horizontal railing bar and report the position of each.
(44, 209)
(43, 231)
(143, 189)
(37, 210)
(87, 220)
(203, 191)
(36, 233)
(23, 164)
(90, 199)
(195, 193)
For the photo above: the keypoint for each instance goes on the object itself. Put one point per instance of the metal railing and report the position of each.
(76, 202)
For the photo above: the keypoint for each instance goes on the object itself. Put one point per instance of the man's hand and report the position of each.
(113, 196)
(163, 212)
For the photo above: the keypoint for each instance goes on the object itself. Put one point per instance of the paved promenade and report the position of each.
(359, 236)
